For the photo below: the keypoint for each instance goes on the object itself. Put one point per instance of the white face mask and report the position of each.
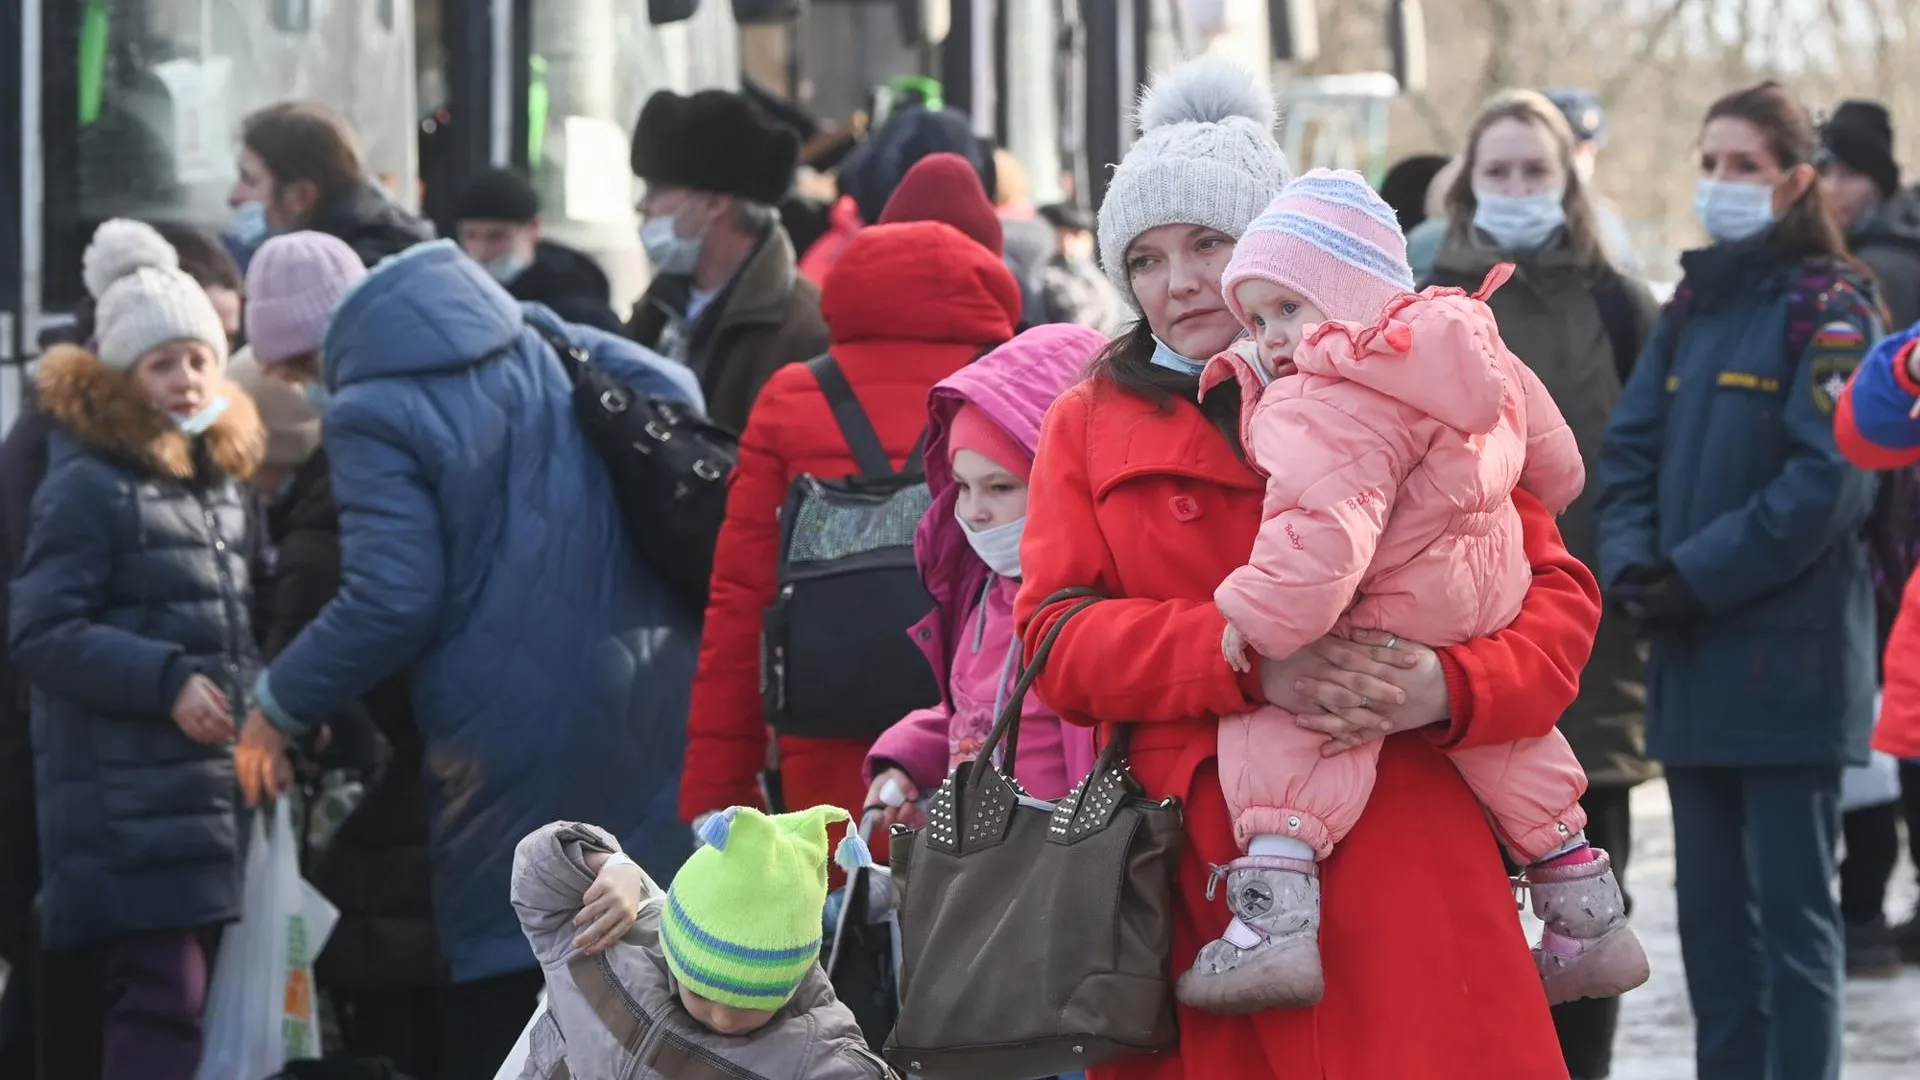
(998, 547)
(1733, 210)
(670, 252)
(199, 422)
(1519, 222)
(248, 226)
(507, 267)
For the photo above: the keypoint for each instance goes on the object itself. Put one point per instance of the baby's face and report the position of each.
(723, 1019)
(1276, 317)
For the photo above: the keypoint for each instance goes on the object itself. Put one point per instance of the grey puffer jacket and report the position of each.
(135, 578)
(617, 1016)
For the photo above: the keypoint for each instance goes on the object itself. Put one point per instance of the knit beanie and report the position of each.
(293, 282)
(1206, 156)
(972, 429)
(743, 920)
(1860, 136)
(1329, 238)
(944, 187)
(142, 299)
(293, 425)
(497, 195)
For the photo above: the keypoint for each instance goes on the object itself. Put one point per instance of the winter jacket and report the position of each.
(1152, 506)
(134, 580)
(371, 222)
(971, 626)
(1876, 428)
(1720, 478)
(843, 221)
(1029, 242)
(1887, 239)
(570, 283)
(1549, 319)
(23, 462)
(621, 1012)
(378, 869)
(767, 317)
(1391, 453)
(909, 305)
(484, 557)
(1075, 291)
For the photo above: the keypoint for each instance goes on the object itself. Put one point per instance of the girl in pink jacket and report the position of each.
(983, 424)
(1392, 428)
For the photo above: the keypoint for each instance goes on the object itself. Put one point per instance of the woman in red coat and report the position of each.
(1139, 493)
(907, 305)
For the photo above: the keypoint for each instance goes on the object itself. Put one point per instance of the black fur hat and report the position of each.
(714, 141)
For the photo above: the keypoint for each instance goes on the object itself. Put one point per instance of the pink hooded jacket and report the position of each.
(1014, 384)
(1392, 452)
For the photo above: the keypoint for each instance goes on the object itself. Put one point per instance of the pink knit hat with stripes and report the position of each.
(1332, 240)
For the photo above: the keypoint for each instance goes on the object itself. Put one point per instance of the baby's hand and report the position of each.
(611, 905)
(1234, 648)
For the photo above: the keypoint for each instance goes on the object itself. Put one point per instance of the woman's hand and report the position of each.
(260, 761)
(1358, 689)
(202, 712)
(611, 904)
(899, 806)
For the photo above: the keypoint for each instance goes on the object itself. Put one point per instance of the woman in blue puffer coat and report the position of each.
(130, 620)
(483, 557)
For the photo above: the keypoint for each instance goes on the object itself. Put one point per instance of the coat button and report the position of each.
(219, 545)
(1185, 507)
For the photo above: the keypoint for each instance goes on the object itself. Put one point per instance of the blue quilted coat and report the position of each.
(482, 555)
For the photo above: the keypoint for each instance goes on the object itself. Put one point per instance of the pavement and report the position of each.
(1655, 1041)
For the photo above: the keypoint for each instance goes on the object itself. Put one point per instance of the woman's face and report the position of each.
(1175, 274)
(989, 494)
(177, 377)
(226, 303)
(1517, 157)
(287, 205)
(1733, 150)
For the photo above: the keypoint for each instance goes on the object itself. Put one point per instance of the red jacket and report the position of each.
(1428, 975)
(907, 305)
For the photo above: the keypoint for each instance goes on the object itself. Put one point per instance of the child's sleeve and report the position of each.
(550, 876)
(1554, 471)
(1333, 483)
(1874, 424)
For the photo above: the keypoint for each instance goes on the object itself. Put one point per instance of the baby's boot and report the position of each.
(1587, 949)
(1269, 957)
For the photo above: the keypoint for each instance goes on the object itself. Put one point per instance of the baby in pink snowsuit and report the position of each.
(1392, 428)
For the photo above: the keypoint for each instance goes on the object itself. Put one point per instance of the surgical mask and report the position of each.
(507, 267)
(998, 547)
(1165, 357)
(198, 423)
(319, 397)
(1733, 210)
(249, 224)
(1519, 222)
(670, 252)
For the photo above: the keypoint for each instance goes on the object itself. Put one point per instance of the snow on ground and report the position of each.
(1656, 1027)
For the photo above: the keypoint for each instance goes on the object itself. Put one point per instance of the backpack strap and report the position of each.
(573, 359)
(869, 456)
(1617, 317)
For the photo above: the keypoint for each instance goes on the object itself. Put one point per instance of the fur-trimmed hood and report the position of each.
(105, 409)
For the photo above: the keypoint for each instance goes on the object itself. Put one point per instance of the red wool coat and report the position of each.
(1428, 975)
(907, 305)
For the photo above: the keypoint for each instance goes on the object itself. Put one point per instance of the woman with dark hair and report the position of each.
(1579, 324)
(1727, 526)
(300, 169)
(1142, 492)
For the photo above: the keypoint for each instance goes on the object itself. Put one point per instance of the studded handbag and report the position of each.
(1035, 935)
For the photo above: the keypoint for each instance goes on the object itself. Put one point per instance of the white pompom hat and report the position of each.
(1206, 156)
(142, 299)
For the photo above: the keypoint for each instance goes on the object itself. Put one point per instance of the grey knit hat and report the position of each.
(142, 299)
(1206, 156)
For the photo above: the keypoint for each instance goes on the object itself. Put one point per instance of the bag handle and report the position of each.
(869, 455)
(573, 358)
(1006, 727)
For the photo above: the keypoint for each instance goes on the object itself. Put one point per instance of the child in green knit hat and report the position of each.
(724, 963)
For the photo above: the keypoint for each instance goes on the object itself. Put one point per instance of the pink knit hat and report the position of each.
(293, 283)
(972, 429)
(1329, 238)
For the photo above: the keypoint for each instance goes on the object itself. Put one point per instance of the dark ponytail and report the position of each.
(1127, 364)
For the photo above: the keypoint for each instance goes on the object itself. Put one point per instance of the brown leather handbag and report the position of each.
(1036, 935)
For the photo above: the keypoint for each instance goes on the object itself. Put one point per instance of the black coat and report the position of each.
(570, 283)
(378, 869)
(371, 223)
(135, 578)
(23, 462)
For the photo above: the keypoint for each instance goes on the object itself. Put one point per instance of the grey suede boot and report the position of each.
(1269, 957)
(1587, 949)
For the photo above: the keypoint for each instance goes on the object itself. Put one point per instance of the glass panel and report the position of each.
(1035, 104)
(144, 111)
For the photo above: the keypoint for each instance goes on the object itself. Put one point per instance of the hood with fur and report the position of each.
(105, 409)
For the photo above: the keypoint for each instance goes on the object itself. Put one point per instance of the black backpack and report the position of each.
(835, 658)
(669, 466)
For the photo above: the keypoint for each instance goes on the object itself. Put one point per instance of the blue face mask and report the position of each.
(249, 224)
(319, 397)
(1733, 211)
(199, 422)
(1164, 356)
(1519, 222)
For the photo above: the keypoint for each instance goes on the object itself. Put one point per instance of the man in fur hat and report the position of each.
(726, 299)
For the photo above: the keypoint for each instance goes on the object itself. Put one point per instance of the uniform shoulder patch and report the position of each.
(1836, 348)
(1839, 335)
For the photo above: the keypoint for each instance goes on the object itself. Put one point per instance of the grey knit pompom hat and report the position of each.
(142, 299)
(1206, 156)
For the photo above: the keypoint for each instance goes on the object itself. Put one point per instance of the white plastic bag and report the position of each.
(261, 1011)
(1872, 784)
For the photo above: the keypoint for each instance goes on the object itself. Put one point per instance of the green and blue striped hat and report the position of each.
(742, 924)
